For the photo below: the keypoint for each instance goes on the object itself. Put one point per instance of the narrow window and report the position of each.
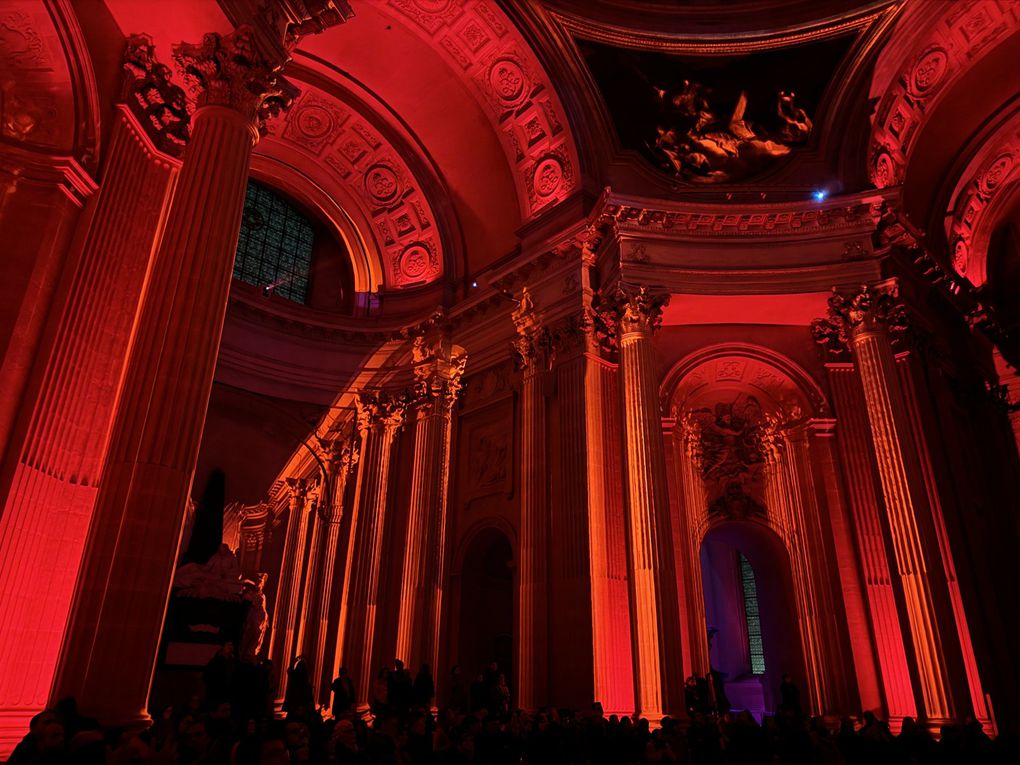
(274, 249)
(752, 617)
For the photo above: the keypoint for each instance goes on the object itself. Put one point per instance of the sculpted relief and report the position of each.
(698, 141)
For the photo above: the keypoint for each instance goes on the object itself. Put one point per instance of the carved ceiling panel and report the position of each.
(967, 32)
(508, 81)
(350, 147)
(989, 177)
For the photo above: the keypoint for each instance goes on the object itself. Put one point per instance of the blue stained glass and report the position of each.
(752, 616)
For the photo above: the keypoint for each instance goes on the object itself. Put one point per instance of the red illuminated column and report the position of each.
(379, 419)
(109, 653)
(320, 596)
(533, 582)
(51, 475)
(655, 622)
(862, 645)
(439, 366)
(865, 526)
(915, 396)
(41, 199)
(692, 519)
(288, 590)
(863, 319)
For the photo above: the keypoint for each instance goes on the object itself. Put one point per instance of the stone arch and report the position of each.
(928, 57)
(390, 197)
(770, 558)
(483, 609)
(51, 98)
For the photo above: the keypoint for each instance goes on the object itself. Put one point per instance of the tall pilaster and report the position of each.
(133, 542)
(320, 596)
(863, 320)
(533, 573)
(288, 590)
(438, 367)
(654, 618)
(55, 454)
(379, 418)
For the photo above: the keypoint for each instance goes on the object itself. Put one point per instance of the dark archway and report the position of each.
(485, 631)
(732, 553)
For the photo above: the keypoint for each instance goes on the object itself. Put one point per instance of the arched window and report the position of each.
(752, 617)
(274, 249)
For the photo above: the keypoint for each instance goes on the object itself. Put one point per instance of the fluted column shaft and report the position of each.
(903, 490)
(693, 512)
(854, 439)
(288, 590)
(654, 618)
(378, 422)
(441, 366)
(533, 618)
(533, 551)
(53, 462)
(134, 538)
(321, 596)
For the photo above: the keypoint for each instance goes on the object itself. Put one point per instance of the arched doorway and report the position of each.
(485, 631)
(750, 610)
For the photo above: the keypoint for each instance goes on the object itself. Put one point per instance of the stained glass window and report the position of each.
(274, 249)
(752, 616)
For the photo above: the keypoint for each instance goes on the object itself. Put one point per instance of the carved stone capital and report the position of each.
(626, 311)
(439, 367)
(528, 346)
(160, 106)
(341, 457)
(870, 308)
(380, 410)
(228, 70)
(298, 490)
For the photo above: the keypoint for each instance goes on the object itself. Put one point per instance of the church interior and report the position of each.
(532, 381)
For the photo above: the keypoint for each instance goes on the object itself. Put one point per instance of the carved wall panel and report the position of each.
(36, 98)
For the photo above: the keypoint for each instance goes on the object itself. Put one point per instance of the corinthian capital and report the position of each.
(869, 308)
(380, 410)
(161, 106)
(298, 488)
(438, 368)
(228, 70)
(529, 344)
(641, 310)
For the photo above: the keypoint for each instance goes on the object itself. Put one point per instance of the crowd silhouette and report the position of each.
(233, 722)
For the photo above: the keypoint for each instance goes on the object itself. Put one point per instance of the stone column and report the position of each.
(820, 445)
(321, 597)
(438, 367)
(654, 618)
(533, 565)
(693, 519)
(379, 419)
(41, 200)
(863, 321)
(133, 542)
(56, 451)
(854, 440)
(288, 588)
